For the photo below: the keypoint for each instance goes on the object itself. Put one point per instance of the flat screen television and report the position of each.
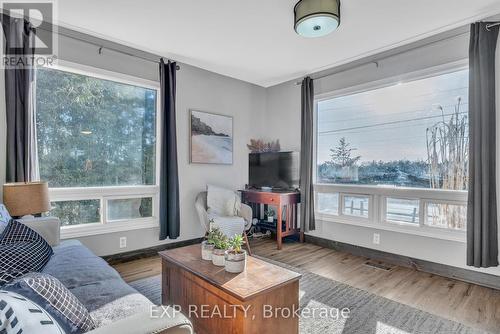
(278, 170)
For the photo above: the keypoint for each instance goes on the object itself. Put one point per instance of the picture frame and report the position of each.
(210, 138)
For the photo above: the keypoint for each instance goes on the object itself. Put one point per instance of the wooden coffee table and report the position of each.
(263, 299)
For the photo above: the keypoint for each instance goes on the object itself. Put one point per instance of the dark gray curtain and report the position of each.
(169, 178)
(22, 164)
(482, 236)
(307, 222)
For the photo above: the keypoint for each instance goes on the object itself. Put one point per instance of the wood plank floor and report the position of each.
(470, 304)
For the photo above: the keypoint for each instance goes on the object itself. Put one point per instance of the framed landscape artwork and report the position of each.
(211, 138)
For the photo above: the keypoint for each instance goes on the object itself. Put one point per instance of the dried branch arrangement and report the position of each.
(259, 146)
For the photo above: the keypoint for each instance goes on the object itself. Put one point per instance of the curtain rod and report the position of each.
(342, 71)
(102, 47)
(488, 26)
(377, 61)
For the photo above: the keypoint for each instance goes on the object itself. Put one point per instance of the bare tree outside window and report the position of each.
(448, 157)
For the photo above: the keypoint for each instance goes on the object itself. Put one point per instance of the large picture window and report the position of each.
(398, 153)
(96, 141)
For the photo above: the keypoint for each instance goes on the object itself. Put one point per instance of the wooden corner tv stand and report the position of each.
(287, 201)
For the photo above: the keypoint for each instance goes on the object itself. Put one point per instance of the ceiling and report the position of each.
(254, 40)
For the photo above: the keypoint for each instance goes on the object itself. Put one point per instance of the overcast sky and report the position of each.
(408, 108)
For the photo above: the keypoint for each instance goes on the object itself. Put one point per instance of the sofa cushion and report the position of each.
(21, 315)
(96, 284)
(49, 293)
(22, 250)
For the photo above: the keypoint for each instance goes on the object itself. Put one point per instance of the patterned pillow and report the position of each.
(22, 250)
(21, 315)
(51, 295)
(4, 217)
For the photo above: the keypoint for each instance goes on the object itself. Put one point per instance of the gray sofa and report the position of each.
(115, 306)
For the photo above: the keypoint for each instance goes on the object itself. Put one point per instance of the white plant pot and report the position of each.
(236, 262)
(206, 250)
(270, 219)
(218, 257)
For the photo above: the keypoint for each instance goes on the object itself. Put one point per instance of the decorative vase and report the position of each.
(235, 262)
(218, 257)
(206, 250)
(270, 219)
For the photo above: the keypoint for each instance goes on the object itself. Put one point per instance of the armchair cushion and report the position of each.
(222, 202)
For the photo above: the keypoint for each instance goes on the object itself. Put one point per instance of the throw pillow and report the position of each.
(22, 250)
(20, 315)
(222, 202)
(51, 295)
(4, 218)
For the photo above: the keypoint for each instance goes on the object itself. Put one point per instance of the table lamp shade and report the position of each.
(26, 198)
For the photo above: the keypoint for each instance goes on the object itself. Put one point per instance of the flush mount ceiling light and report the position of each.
(316, 18)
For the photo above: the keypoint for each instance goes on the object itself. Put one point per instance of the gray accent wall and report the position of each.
(283, 116)
(196, 88)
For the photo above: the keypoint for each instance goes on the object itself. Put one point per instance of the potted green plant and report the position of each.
(270, 215)
(220, 247)
(208, 245)
(235, 256)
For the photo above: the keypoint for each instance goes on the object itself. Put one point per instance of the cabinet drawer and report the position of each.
(263, 198)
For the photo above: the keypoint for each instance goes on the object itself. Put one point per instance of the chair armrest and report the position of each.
(156, 321)
(201, 210)
(247, 214)
(48, 227)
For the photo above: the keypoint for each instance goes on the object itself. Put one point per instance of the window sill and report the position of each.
(85, 230)
(422, 231)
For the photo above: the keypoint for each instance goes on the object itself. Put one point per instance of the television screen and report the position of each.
(278, 170)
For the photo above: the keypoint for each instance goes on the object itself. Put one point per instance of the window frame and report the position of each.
(106, 193)
(378, 194)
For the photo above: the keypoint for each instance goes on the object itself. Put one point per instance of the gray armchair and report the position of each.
(201, 208)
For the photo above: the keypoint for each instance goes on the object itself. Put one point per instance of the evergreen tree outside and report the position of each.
(93, 132)
(342, 154)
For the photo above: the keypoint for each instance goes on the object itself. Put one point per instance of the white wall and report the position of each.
(196, 88)
(283, 116)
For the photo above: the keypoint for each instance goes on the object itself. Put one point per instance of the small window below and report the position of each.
(130, 208)
(77, 212)
(450, 216)
(328, 203)
(402, 210)
(356, 206)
